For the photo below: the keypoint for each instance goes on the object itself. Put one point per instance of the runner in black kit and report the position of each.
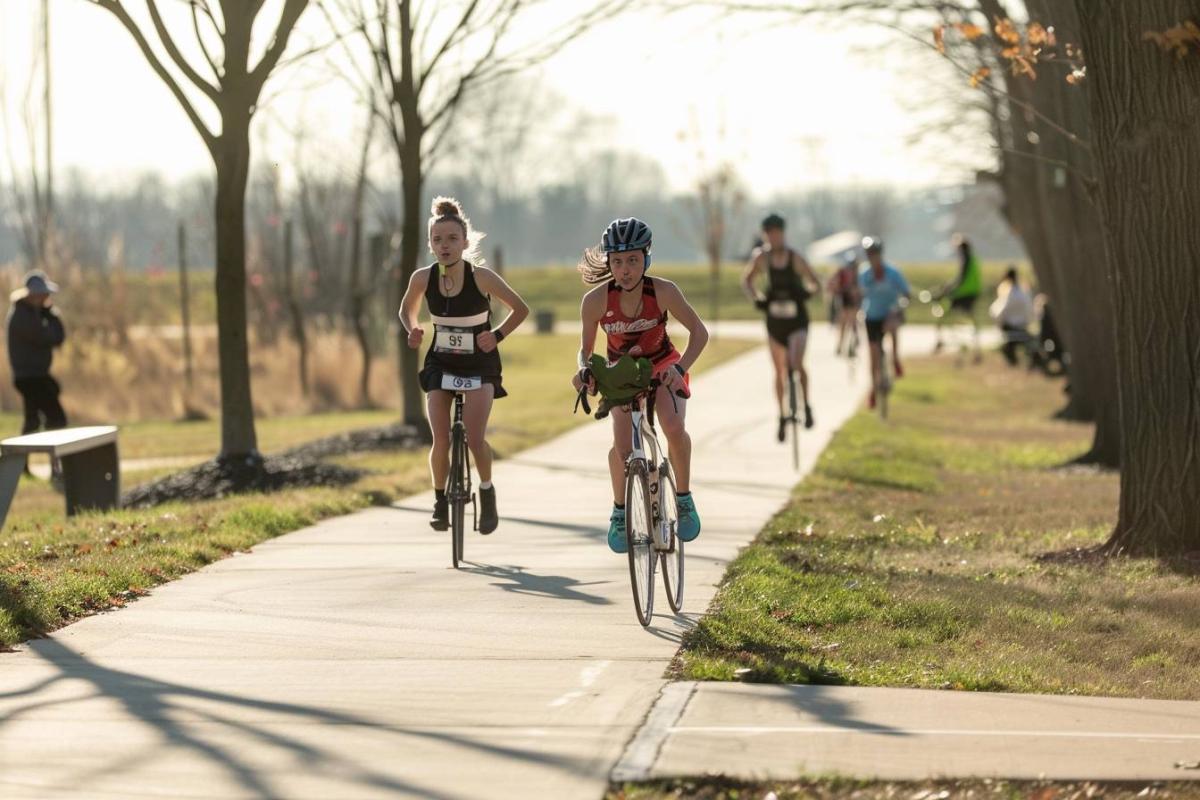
(790, 282)
(457, 293)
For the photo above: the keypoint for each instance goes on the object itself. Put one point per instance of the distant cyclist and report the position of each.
(883, 287)
(457, 293)
(844, 291)
(790, 282)
(633, 309)
(962, 292)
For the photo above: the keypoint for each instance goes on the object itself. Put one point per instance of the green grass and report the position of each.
(717, 788)
(910, 557)
(55, 569)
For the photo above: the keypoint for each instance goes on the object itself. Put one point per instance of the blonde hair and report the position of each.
(593, 266)
(447, 209)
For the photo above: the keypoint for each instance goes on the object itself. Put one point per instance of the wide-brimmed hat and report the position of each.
(36, 282)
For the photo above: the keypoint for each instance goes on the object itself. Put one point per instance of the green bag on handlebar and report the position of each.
(622, 380)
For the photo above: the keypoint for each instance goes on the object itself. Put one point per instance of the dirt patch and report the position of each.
(298, 467)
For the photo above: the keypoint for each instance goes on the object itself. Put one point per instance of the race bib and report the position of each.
(454, 341)
(783, 309)
(457, 383)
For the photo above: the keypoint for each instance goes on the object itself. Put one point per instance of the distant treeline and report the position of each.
(135, 225)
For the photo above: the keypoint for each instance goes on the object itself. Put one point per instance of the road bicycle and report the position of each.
(458, 486)
(651, 505)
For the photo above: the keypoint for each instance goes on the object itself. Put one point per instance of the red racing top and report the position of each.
(641, 336)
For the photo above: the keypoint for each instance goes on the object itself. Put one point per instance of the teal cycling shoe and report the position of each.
(616, 531)
(689, 520)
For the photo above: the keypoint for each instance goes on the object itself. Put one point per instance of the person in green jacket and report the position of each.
(959, 296)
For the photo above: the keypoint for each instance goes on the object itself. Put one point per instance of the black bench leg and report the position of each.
(11, 467)
(92, 479)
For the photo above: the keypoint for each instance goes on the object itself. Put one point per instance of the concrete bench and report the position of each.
(90, 469)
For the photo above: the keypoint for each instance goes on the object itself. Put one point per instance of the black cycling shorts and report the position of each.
(964, 304)
(875, 330)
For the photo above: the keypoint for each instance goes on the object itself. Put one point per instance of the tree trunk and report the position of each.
(232, 157)
(410, 242)
(357, 298)
(293, 303)
(1073, 232)
(406, 97)
(1024, 207)
(1147, 146)
(185, 315)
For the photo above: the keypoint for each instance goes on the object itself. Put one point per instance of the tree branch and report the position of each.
(292, 10)
(451, 39)
(114, 6)
(212, 64)
(168, 43)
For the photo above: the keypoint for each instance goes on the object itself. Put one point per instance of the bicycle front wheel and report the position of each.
(639, 538)
(672, 557)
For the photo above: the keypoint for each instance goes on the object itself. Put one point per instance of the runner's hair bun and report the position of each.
(446, 207)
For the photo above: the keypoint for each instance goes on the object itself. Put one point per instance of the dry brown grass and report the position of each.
(144, 378)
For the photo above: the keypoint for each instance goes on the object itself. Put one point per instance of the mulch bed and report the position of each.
(298, 467)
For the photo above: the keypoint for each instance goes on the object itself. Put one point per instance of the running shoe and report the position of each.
(616, 531)
(689, 520)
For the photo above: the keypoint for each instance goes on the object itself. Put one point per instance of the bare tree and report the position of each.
(231, 82)
(427, 59)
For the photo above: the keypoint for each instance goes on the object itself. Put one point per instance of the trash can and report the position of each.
(544, 321)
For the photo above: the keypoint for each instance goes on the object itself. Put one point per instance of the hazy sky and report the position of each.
(800, 104)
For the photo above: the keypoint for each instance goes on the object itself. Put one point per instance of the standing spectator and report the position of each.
(1013, 312)
(34, 330)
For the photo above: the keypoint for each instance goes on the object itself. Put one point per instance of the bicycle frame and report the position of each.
(647, 449)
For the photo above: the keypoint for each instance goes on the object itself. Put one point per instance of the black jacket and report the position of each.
(33, 333)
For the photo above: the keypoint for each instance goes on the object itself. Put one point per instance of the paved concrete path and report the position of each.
(347, 660)
(787, 732)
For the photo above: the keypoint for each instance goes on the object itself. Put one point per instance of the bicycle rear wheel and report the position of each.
(638, 535)
(457, 494)
(672, 558)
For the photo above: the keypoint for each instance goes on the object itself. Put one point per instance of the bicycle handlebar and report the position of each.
(582, 398)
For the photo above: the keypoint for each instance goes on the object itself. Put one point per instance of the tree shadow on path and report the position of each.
(172, 710)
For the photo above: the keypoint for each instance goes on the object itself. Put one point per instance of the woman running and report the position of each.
(633, 310)
(457, 292)
(790, 282)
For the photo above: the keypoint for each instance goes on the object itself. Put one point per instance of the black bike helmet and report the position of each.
(773, 222)
(625, 234)
(871, 244)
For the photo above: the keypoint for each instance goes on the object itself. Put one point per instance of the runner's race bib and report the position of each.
(457, 383)
(783, 309)
(454, 341)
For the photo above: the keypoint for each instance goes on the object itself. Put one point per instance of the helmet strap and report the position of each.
(637, 286)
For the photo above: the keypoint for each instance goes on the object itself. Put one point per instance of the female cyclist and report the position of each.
(633, 309)
(457, 293)
(843, 288)
(790, 282)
